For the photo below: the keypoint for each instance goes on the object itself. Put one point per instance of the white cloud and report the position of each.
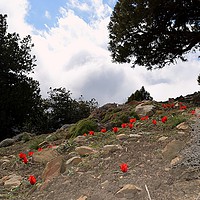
(47, 14)
(73, 54)
(16, 11)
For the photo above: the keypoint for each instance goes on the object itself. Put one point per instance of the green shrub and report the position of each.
(83, 126)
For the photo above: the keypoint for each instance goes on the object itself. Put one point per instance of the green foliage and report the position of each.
(153, 33)
(83, 126)
(62, 109)
(19, 93)
(34, 144)
(176, 120)
(140, 95)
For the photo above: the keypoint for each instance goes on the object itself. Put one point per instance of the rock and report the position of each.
(182, 126)
(172, 149)
(144, 110)
(43, 144)
(7, 142)
(129, 191)
(12, 181)
(122, 136)
(175, 161)
(53, 168)
(79, 139)
(135, 136)
(84, 150)
(111, 148)
(74, 161)
(45, 155)
(23, 136)
(105, 184)
(163, 138)
(82, 197)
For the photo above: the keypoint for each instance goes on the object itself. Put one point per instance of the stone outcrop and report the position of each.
(145, 110)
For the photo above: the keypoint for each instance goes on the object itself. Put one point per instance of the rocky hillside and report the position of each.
(141, 150)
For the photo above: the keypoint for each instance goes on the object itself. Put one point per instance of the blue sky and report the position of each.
(71, 40)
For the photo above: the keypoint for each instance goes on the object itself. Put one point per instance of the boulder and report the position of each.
(84, 150)
(144, 110)
(12, 181)
(53, 168)
(129, 191)
(7, 142)
(45, 155)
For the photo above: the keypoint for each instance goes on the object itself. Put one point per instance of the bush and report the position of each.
(83, 126)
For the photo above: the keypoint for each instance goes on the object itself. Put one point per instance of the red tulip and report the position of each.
(85, 134)
(103, 130)
(123, 125)
(183, 107)
(22, 155)
(132, 120)
(91, 133)
(32, 180)
(154, 121)
(130, 125)
(164, 119)
(30, 153)
(144, 118)
(115, 129)
(25, 160)
(40, 149)
(193, 112)
(124, 167)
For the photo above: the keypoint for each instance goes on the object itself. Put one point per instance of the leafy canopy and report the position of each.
(154, 33)
(140, 95)
(19, 93)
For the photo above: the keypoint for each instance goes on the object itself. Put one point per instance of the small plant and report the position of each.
(83, 126)
(35, 143)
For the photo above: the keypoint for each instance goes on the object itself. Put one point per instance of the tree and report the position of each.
(19, 93)
(62, 109)
(154, 33)
(140, 95)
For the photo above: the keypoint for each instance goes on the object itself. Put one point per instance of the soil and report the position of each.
(99, 176)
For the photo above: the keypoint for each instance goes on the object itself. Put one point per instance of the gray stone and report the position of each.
(12, 181)
(7, 142)
(84, 150)
(144, 110)
(74, 161)
(172, 149)
(129, 191)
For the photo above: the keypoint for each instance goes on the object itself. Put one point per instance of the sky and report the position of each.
(71, 47)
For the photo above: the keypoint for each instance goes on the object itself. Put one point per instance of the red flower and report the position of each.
(115, 129)
(123, 125)
(40, 149)
(193, 112)
(183, 107)
(32, 180)
(85, 134)
(91, 132)
(25, 160)
(164, 119)
(132, 120)
(30, 153)
(22, 155)
(103, 130)
(130, 125)
(124, 167)
(154, 121)
(144, 118)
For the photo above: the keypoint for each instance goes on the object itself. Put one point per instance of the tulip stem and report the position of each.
(148, 192)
